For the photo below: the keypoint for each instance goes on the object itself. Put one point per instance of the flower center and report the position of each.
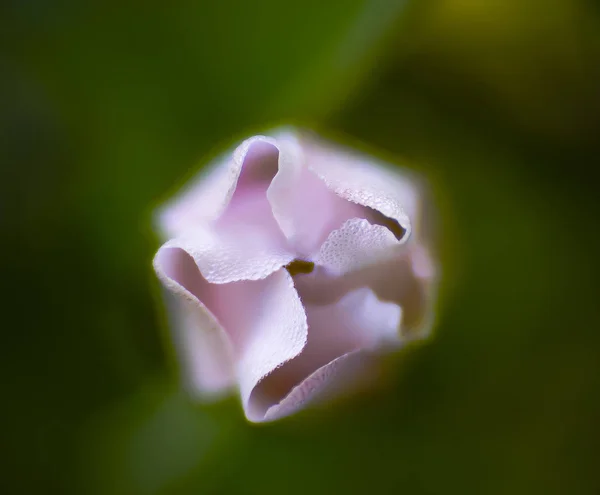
(300, 266)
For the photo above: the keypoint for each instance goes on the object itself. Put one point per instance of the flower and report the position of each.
(294, 266)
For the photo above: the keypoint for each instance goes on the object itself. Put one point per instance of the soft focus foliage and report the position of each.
(105, 108)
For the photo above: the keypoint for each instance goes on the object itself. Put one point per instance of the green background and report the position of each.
(106, 108)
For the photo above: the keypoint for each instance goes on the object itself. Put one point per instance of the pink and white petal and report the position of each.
(410, 280)
(248, 203)
(205, 351)
(407, 279)
(350, 372)
(358, 321)
(274, 332)
(364, 255)
(207, 196)
(305, 209)
(248, 226)
(232, 333)
(365, 181)
(233, 254)
(200, 340)
(355, 245)
(346, 261)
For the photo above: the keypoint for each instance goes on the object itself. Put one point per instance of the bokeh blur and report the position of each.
(106, 108)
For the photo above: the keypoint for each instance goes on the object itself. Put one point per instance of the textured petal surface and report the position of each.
(364, 255)
(209, 194)
(271, 329)
(409, 279)
(200, 339)
(361, 180)
(237, 332)
(347, 260)
(351, 371)
(355, 245)
(233, 254)
(305, 208)
(357, 321)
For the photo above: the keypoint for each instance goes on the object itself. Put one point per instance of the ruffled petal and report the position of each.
(364, 255)
(355, 245)
(351, 371)
(364, 181)
(344, 260)
(408, 279)
(238, 332)
(252, 165)
(305, 208)
(273, 331)
(358, 321)
(232, 254)
(200, 340)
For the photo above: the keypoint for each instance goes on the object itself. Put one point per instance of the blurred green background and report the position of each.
(106, 108)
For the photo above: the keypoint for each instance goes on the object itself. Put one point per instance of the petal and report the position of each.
(409, 279)
(237, 332)
(351, 371)
(364, 181)
(209, 194)
(358, 321)
(342, 261)
(355, 245)
(200, 339)
(226, 255)
(364, 255)
(273, 331)
(248, 200)
(305, 209)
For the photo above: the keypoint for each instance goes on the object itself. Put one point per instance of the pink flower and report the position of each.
(294, 267)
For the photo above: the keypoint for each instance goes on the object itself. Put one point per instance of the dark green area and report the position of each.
(105, 109)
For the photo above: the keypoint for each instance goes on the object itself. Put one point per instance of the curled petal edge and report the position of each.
(209, 193)
(230, 258)
(201, 339)
(332, 380)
